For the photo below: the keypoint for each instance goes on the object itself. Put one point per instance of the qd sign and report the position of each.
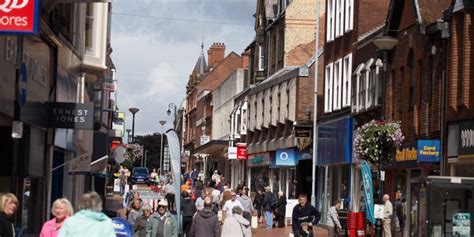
(19, 16)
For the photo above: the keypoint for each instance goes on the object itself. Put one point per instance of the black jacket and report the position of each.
(267, 200)
(6, 227)
(258, 201)
(188, 207)
(205, 224)
(281, 206)
(304, 214)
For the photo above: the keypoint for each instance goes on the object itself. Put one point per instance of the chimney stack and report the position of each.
(215, 54)
(245, 59)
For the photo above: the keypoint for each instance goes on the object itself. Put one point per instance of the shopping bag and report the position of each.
(255, 222)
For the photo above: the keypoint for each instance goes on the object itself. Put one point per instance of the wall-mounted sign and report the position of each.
(428, 150)
(241, 151)
(406, 154)
(466, 139)
(19, 16)
(71, 115)
(204, 139)
(232, 153)
(285, 157)
(109, 86)
(261, 159)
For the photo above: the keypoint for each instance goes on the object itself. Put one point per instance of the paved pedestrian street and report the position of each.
(283, 232)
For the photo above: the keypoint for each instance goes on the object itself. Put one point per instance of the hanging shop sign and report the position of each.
(71, 115)
(466, 139)
(232, 153)
(241, 151)
(285, 157)
(109, 86)
(428, 150)
(19, 16)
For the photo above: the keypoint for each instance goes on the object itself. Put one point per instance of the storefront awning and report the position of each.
(212, 146)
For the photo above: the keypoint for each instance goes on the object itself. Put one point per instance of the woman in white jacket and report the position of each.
(236, 225)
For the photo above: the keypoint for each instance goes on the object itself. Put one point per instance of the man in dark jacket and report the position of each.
(205, 222)
(304, 212)
(281, 209)
(188, 208)
(267, 207)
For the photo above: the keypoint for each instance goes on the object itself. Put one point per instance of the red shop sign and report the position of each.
(19, 16)
(241, 152)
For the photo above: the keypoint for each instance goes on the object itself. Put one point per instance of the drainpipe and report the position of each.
(444, 28)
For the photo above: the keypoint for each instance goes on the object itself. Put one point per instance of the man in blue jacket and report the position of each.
(304, 212)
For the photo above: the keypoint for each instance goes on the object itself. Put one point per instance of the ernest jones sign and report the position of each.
(71, 115)
(19, 16)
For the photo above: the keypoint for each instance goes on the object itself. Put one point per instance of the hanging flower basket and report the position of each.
(134, 152)
(377, 141)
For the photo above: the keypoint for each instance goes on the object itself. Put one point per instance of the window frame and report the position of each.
(347, 78)
(261, 59)
(330, 20)
(328, 78)
(339, 18)
(349, 15)
(337, 88)
(92, 32)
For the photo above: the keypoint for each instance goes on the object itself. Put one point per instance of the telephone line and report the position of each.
(181, 19)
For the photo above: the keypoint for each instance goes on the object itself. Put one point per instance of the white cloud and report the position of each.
(155, 57)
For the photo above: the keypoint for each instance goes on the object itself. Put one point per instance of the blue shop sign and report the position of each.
(285, 157)
(428, 150)
(335, 142)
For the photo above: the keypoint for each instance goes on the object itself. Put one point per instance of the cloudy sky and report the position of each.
(157, 42)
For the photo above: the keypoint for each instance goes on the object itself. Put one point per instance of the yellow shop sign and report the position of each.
(406, 154)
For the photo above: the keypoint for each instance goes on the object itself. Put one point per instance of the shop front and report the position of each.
(461, 148)
(283, 172)
(335, 161)
(258, 171)
(406, 184)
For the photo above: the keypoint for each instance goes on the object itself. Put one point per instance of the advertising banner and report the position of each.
(368, 190)
(19, 16)
(428, 150)
(285, 157)
(175, 153)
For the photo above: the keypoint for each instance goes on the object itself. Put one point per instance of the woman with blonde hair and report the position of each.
(61, 210)
(8, 207)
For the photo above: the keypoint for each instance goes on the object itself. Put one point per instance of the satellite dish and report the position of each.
(119, 154)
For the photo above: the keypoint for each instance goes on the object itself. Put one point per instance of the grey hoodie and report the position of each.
(246, 202)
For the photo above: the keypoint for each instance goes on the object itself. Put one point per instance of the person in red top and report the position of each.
(61, 210)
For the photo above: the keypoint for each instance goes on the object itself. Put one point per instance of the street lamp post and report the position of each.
(162, 122)
(133, 111)
(128, 134)
(385, 43)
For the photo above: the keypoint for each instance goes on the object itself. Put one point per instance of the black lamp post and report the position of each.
(133, 111)
(385, 43)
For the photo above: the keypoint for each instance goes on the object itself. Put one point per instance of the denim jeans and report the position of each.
(269, 219)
